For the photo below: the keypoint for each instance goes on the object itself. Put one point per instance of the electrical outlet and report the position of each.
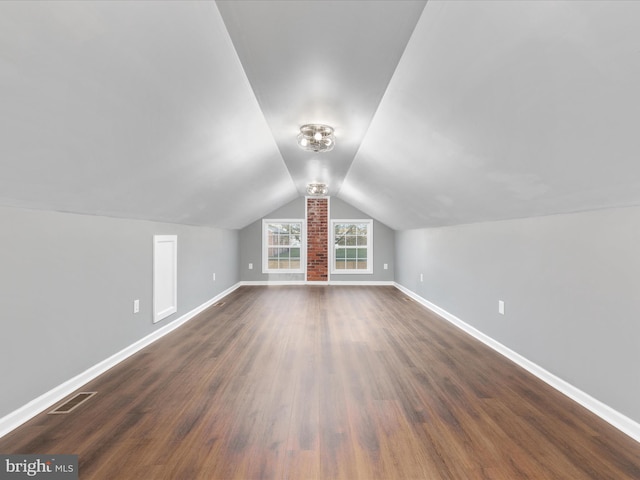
(421, 277)
(214, 277)
(251, 266)
(136, 306)
(500, 307)
(385, 266)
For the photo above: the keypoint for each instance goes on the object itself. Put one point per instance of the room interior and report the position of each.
(491, 144)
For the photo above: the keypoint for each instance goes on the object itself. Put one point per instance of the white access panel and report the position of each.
(165, 276)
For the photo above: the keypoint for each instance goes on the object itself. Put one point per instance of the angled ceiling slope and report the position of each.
(132, 109)
(325, 62)
(503, 110)
(187, 112)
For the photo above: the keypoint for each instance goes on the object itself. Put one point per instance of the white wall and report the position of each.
(67, 286)
(251, 245)
(571, 287)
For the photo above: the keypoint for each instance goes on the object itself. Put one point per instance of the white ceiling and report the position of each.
(448, 113)
(319, 62)
(506, 109)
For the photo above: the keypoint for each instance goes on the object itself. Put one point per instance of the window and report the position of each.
(282, 246)
(352, 246)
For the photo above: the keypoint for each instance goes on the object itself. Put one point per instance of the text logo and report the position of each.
(49, 467)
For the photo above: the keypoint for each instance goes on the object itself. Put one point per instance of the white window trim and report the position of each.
(303, 246)
(332, 247)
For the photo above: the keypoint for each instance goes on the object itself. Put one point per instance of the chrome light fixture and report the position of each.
(314, 137)
(317, 189)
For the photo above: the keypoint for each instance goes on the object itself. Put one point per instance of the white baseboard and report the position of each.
(50, 398)
(307, 282)
(615, 418)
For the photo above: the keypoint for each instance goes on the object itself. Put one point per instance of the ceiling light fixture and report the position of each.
(316, 138)
(317, 189)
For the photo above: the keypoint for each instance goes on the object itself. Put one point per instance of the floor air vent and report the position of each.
(75, 401)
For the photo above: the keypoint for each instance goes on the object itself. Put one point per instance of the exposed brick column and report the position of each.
(317, 239)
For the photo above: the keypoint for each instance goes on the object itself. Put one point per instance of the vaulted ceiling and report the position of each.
(445, 112)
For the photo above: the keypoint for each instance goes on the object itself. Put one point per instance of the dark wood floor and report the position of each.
(326, 382)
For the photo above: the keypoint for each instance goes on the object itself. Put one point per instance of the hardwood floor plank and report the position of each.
(325, 382)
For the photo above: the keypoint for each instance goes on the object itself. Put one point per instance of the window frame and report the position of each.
(265, 245)
(369, 247)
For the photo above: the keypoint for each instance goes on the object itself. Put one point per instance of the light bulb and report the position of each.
(315, 137)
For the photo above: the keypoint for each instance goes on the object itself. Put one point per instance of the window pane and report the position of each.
(283, 245)
(342, 229)
(273, 258)
(352, 246)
